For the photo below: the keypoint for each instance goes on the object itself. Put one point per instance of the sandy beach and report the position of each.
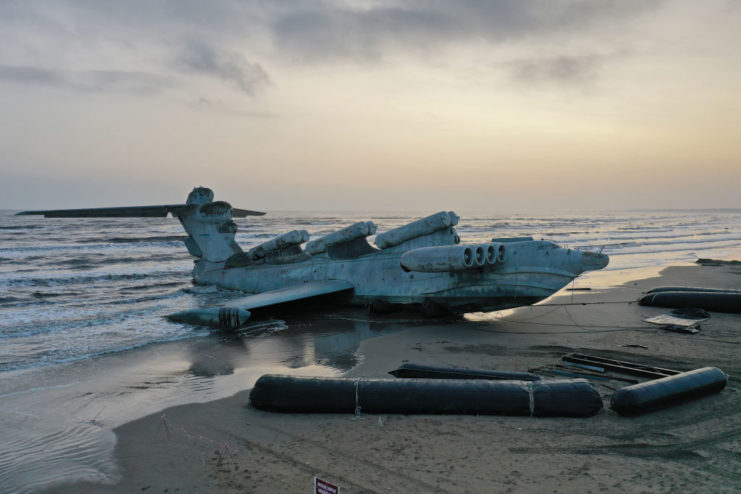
(228, 446)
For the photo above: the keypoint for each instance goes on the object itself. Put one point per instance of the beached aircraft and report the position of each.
(419, 265)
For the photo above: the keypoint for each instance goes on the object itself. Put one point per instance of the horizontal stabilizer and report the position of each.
(241, 213)
(159, 211)
(291, 294)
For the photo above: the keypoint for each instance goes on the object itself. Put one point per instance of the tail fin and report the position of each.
(209, 225)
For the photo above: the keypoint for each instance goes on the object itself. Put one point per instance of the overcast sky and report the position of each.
(484, 105)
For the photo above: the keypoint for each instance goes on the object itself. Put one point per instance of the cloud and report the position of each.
(190, 37)
(318, 30)
(328, 31)
(85, 81)
(561, 69)
(204, 59)
(30, 75)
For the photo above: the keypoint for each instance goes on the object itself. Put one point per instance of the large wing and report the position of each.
(159, 211)
(238, 311)
(304, 291)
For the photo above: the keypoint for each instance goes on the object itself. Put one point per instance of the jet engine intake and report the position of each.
(479, 255)
(490, 253)
(500, 251)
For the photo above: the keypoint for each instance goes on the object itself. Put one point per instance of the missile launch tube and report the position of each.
(439, 259)
(296, 237)
(418, 228)
(347, 234)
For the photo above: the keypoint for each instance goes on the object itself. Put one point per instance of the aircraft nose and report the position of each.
(594, 260)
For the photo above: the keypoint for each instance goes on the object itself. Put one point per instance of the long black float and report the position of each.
(712, 301)
(280, 393)
(660, 393)
(409, 370)
(690, 289)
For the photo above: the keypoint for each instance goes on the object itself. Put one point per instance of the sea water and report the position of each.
(84, 345)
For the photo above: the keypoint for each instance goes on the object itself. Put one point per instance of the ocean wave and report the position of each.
(151, 286)
(671, 244)
(93, 278)
(673, 235)
(55, 294)
(65, 359)
(201, 289)
(90, 318)
(683, 248)
(20, 227)
(148, 298)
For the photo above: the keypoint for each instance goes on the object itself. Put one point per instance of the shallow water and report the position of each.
(85, 347)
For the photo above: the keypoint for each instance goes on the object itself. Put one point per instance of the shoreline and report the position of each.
(226, 445)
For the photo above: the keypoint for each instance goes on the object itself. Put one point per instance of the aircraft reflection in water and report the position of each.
(419, 265)
(304, 342)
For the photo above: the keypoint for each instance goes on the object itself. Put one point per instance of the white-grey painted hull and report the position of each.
(533, 271)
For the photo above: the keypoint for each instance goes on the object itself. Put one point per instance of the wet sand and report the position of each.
(228, 446)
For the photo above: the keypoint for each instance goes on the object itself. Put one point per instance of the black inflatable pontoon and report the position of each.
(279, 393)
(712, 301)
(660, 393)
(690, 289)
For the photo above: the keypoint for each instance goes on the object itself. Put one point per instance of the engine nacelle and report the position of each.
(440, 259)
